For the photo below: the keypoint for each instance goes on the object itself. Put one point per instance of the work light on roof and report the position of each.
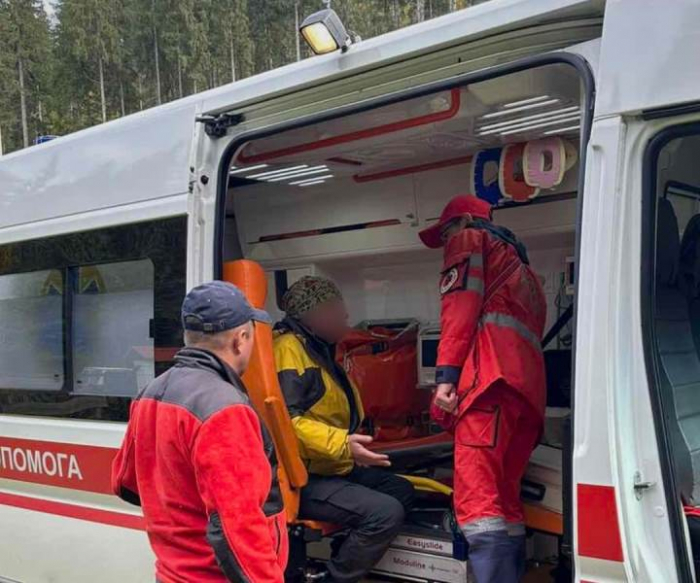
(324, 32)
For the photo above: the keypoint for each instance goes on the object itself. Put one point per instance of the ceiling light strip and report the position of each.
(302, 182)
(312, 183)
(534, 123)
(562, 130)
(544, 124)
(262, 175)
(510, 111)
(527, 118)
(235, 170)
(297, 174)
(526, 101)
(514, 126)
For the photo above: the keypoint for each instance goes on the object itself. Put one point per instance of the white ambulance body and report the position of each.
(332, 165)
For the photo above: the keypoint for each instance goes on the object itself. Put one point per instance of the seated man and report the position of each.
(346, 483)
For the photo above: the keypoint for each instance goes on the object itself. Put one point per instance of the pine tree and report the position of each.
(108, 58)
(89, 33)
(24, 52)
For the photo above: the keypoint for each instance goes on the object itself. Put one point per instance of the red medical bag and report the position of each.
(382, 362)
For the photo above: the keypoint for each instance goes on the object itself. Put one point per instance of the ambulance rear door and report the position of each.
(636, 418)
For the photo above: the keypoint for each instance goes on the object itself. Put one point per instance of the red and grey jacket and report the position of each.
(492, 317)
(198, 460)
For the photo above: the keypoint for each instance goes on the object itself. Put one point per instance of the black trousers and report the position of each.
(371, 503)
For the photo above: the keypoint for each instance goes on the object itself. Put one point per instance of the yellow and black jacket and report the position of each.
(324, 404)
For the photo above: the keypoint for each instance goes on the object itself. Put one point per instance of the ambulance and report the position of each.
(579, 120)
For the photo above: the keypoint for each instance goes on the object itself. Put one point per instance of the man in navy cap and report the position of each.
(197, 458)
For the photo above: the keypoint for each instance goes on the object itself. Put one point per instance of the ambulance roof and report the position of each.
(146, 156)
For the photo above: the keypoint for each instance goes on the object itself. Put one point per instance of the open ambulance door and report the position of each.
(346, 195)
(637, 405)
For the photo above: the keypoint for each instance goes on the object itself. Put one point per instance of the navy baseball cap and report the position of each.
(217, 306)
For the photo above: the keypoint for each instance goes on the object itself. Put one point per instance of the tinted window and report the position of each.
(671, 317)
(31, 331)
(90, 318)
(676, 313)
(113, 351)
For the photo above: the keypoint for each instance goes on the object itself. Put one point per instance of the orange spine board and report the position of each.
(263, 387)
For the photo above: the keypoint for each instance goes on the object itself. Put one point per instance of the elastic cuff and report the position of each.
(447, 374)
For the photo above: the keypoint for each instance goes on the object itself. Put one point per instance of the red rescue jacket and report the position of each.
(492, 318)
(199, 462)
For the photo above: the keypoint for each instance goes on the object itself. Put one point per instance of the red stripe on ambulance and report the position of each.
(119, 519)
(598, 526)
(79, 467)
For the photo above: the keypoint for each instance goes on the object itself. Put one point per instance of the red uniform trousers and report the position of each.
(494, 438)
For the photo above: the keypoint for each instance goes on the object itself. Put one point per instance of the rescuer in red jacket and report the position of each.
(197, 458)
(490, 379)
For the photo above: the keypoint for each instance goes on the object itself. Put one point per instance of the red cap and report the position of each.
(459, 206)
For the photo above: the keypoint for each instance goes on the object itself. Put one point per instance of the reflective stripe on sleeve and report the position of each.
(476, 260)
(475, 284)
(475, 281)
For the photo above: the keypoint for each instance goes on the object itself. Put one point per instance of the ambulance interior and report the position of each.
(346, 198)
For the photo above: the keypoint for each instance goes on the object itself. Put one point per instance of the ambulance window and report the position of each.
(671, 319)
(87, 319)
(675, 301)
(31, 331)
(112, 315)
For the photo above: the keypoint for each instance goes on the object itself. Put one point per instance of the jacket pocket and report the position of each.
(478, 427)
(280, 539)
(277, 534)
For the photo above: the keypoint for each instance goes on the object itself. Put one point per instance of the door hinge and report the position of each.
(216, 125)
(640, 486)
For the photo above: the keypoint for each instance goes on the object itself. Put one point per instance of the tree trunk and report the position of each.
(40, 112)
(179, 71)
(140, 93)
(121, 97)
(395, 13)
(157, 59)
(420, 10)
(233, 59)
(102, 91)
(453, 5)
(23, 102)
(296, 29)
(1, 141)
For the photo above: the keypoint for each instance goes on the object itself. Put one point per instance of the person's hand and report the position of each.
(446, 397)
(364, 457)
